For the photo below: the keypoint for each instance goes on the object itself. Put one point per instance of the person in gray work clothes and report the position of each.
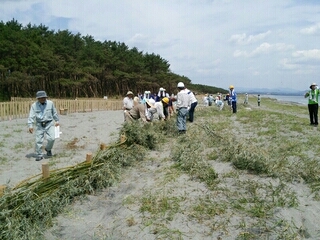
(42, 113)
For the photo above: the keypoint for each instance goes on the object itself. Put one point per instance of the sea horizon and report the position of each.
(287, 98)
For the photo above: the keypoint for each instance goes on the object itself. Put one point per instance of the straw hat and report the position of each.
(129, 93)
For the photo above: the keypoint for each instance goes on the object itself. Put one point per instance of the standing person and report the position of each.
(161, 94)
(233, 99)
(193, 104)
(246, 99)
(42, 113)
(183, 104)
(313, 105)
(259, 100)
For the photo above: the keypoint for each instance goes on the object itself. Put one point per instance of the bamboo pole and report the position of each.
(45, 170)
(89, 157)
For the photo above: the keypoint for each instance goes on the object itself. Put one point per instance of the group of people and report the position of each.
(146, 107)
(230, 98)
(159, 106)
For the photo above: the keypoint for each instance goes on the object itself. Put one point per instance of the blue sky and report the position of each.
(246, 43)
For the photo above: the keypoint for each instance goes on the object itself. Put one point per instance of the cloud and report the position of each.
(242, 39)
(264, 48)
(306, 55)
(311, 30)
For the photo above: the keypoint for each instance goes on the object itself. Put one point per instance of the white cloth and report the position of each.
(159, 107)
(128, 103)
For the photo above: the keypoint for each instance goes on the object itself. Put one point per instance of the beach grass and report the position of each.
(229, 175)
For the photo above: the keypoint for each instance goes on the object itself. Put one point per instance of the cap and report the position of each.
(41, 94)
(180, 84)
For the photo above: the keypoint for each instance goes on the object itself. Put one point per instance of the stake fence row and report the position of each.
(20, 109)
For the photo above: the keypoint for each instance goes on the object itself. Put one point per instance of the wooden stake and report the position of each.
(2, 189)
(103, 146)
(89, 157)
(45, 170)
(122, 138)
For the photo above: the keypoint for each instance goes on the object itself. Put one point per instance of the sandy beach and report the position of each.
(115, 212)
(81, 133)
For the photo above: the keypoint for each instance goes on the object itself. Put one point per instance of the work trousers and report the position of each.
(48, 130)
(182, 119)
(234, 106)
(191, 111)
(313, 113)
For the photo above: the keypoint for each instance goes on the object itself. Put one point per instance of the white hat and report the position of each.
(129, 92)
(151, 102)
(136, 99)
(313, 84)
(180, 85)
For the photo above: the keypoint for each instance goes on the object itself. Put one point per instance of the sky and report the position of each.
(271, 44)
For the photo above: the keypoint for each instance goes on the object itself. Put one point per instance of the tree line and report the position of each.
(69, 65)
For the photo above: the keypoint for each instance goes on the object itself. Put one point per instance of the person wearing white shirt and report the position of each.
(183, 106)
(193, 104)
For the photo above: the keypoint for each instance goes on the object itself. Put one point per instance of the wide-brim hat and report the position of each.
(313, 84)
(41, 94)
(151, 102)
(129, 93)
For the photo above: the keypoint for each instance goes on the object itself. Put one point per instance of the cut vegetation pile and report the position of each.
(250, 175)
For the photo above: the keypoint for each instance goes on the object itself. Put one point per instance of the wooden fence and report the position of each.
(20, 109)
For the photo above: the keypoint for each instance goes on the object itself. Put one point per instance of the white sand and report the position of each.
(81, 133)
(105, 216)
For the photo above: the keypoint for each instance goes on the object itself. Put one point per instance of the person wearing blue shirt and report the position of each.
(42, 113)
(233, 97)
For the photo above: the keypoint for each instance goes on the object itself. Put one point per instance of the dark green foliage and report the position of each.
(69, 65)
(199, 88)
(138, 133)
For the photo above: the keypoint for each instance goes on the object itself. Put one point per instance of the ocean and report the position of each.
(287, 98)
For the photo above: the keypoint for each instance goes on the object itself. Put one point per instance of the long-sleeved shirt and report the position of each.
(193, 98)
(183, 99)
(42, 113)
(233, 96)
(127, 103)
(138, 111)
